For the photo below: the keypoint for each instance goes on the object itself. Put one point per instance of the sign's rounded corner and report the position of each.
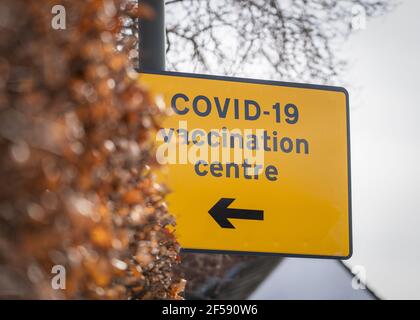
(346, 93)
(349, 255)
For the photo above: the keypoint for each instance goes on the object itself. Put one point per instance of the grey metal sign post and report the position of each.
(152, 38)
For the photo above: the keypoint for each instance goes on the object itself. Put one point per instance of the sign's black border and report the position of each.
(281, 84)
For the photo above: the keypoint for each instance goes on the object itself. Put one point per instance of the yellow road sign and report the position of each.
(256, 166)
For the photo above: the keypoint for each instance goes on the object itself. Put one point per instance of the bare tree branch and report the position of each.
(290, 40)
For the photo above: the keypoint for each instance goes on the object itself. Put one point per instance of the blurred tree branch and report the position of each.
(291, 40)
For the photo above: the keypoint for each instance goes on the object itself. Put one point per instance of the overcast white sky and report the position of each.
(385, 132)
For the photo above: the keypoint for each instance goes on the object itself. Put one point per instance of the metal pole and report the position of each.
(152, 38)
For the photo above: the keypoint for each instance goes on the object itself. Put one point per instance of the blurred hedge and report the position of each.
(77, 186)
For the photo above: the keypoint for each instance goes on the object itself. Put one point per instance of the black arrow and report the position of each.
(221, 213)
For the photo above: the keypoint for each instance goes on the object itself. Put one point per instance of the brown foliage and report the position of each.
(77, 187)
